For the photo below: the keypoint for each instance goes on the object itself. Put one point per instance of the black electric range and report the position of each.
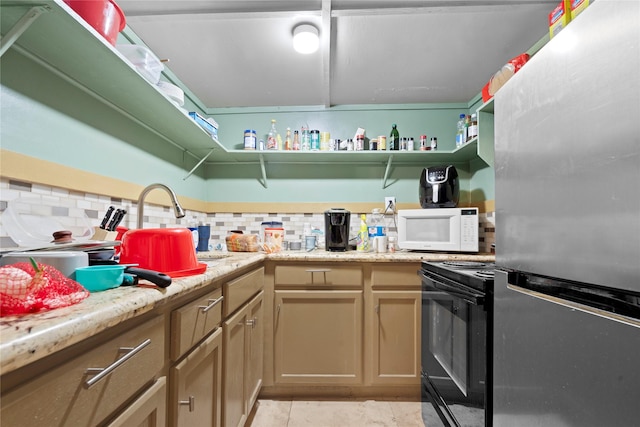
(457, 332)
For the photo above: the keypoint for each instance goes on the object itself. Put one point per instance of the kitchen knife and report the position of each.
(105, 220)
(119, 218)
(114, 219)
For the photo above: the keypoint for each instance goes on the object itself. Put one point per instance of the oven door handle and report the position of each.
(460, 291)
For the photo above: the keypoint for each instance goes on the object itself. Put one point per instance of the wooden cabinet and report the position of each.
(243, 361)
(317, 324)
(243, 336)
(86, 390)
(148, 410)
(196, 392)
(394, 320)
(194, 321)
(318, 337)
(255, 358)
(195, 396)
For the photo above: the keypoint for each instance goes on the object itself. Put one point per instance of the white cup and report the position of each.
(380, 244)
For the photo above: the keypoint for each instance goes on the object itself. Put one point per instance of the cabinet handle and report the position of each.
(212, 303)
(191, 402)
(377, 309)
(324, 272)
(101, 373)
(252, 322)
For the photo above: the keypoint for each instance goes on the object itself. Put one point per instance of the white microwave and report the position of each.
(438, 229)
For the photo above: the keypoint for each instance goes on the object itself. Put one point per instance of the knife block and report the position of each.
(104, 235)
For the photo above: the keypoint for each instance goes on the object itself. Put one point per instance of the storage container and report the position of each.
(145, 62)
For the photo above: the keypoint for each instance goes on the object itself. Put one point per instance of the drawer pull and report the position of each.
(324, 272)
(191, 402)
(212, 303)
(101, 373)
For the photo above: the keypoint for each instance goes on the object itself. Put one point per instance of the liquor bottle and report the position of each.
(394, 138)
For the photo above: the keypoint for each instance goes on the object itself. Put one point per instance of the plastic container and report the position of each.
(363, 235)
(144, 61)
(173, 92)
(31, 223)
(375, 223)
(168, 250)
(105, 16)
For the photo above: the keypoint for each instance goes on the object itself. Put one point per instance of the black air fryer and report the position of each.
(439, 187)
(336, 229)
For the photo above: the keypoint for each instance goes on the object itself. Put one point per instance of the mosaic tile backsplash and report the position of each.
(63, 202)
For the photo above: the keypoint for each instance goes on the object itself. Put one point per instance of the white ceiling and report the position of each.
(238, 53)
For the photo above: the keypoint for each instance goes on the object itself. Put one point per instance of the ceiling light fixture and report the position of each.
(305, 38)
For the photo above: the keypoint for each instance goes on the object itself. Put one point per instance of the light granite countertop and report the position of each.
(26, 339)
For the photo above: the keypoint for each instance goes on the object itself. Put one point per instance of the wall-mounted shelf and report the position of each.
(66, 45)
(387, 159)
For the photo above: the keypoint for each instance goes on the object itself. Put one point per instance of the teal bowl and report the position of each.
(96, 278)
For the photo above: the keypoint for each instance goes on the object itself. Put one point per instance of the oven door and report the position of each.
(454, 345)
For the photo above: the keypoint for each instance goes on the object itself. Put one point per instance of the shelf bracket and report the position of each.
(20, 27)
(386, 172)
(198, 165)
(264, 171)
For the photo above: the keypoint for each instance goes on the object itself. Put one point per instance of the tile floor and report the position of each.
(326, 413)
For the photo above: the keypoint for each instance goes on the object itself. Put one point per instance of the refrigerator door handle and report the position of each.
(576, 306)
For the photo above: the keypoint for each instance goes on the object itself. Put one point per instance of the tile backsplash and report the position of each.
(94, 207)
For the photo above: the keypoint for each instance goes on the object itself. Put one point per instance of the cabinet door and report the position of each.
(196, 384)
(318, 337)
(148, 410)
(395, 322)
(255, 360)
(234, 412)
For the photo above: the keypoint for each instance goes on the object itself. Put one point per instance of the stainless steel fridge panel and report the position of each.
(567, 132)
(559, 366)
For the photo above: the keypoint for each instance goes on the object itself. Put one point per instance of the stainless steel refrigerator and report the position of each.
(567, 164)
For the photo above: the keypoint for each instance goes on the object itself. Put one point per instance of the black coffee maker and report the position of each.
(336, 229)
(439, 187)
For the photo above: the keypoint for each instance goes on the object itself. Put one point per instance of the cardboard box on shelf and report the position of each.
(559, 17)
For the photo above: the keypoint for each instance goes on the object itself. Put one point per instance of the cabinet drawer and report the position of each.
(62, 397)
(193, 321)
(322, 275)
(396, 275)
(238, 291)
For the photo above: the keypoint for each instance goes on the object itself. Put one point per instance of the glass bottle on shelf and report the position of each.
(305, 139)
(473, 127)
(296, 141)
(287, 140)
(394, 138)
(272, 137)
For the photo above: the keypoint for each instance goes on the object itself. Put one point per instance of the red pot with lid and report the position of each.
(167, 250)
